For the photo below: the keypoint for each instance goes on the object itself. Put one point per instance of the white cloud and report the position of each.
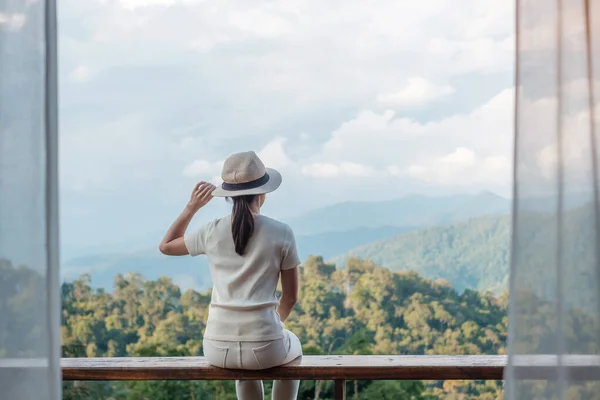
(81, 73)
(321, 170)
(386, 137)
(485, 54)
(354, 169)
(116, 154)
(463, 168)
(273, 154)
(201, 168)
(395, 170)
(264, 67)
(418, 93)
(472, 149)
(12, 21)
(362, 42)
(343, 169)
(133, 4)
(263, 21)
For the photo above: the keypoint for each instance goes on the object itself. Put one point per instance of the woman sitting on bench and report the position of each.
(248, 253)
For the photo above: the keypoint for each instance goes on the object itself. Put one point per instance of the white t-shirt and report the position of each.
(244, 302)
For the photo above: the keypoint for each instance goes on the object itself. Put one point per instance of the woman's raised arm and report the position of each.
(173, 244)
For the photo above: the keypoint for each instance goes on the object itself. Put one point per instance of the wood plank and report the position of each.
(340, 390)
(472, 367)
(308, 367)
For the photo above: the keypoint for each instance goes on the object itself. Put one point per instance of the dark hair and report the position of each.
(242, 222)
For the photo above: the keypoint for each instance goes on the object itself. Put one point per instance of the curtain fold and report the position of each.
(29, 271)
(554, 312)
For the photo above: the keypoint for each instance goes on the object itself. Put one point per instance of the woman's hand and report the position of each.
(201, 195)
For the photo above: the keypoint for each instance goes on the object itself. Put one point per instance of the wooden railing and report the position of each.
(336, 368)
(308, 367)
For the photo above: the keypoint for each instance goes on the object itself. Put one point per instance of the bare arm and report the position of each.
(172, 244)
(289, 295)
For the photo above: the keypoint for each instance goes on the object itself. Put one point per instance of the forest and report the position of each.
(363, 309)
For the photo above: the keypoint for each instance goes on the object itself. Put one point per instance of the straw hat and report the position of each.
(245, 174)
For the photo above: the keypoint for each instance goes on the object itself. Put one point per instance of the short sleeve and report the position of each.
(290, 258)
(195, 242)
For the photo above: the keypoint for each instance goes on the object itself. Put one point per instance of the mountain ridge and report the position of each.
(412, 210)
(475, 253)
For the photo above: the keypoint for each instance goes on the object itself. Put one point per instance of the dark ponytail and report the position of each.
(242, 222)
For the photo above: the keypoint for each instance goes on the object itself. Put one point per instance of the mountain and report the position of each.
(330, 244)
(187, 272)
(410, 211)
(146, 240)
(472, 254)
(475, 254)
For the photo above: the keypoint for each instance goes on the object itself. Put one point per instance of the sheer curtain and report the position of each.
(29, 284)
(554, 314)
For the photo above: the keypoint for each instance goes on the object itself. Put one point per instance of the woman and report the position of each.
(247, 253)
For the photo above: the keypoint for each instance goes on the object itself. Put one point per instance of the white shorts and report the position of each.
(253, 355)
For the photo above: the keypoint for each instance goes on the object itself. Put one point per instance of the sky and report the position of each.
(350, 100)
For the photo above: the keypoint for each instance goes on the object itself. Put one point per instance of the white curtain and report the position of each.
(29, 283)
(554, 313)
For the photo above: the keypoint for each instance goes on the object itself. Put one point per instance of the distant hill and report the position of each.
(422, 211)
(410, 211)
(330, 244)
(187, 272)
(475, 254)
(472, 254)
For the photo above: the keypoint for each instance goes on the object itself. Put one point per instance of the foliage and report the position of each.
(363, 309)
